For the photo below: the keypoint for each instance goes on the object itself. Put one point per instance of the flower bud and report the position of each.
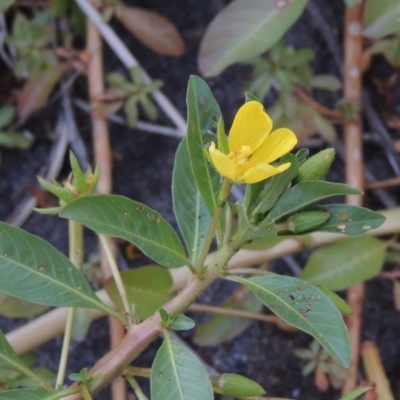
(236, 385)
(316, 166)
(306, 221)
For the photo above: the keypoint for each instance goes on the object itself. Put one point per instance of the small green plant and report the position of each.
(8, 138)
(130, 94)
(31, 38)
(282, 192)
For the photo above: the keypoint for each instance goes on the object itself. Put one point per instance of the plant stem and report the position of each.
(117, 277)
(352, 88)
(29, 373)
(222, 198)
(75, 236)
(375, 372)
(136, 340)
(138, 371)
(65, 348)
(249, 271)
(202, 308)
(85, 392)
(31, 335)
(137, 389)
(103, 158)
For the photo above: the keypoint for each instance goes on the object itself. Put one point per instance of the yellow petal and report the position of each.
(250, 126)
(276, 145)
(222, 162)
(263, 171)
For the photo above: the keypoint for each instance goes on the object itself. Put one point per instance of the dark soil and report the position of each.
(142, 171)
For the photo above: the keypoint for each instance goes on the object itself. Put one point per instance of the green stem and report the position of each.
(85, 392)
(222, 198)
(64, 393)
(26, 371)
(138, 371)
(75, 235)
(62, 367)
(248, 271)
(137, 389)
(228, 224)
(117, 277)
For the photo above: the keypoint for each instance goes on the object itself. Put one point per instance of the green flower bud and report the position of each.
(316, 166)
(306, 221)
(236, 385)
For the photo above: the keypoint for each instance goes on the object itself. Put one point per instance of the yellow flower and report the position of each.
(252, 148)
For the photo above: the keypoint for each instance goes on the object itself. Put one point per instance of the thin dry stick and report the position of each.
(375, 372)
(272, 319)
(102, 152)
(383, 184)
(317, 106)
(129, 61)
(354, 166)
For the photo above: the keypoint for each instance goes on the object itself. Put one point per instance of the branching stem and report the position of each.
(85, 392)
(135, 386)
(75, 233)
(222, 198)
(117, 277)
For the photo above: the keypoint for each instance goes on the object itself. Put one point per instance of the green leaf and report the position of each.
(253, 231)
(81, 324)
(131, 111)
(264, 243)
(16, 140)
(63, 193)
(176, 371)
(351, 220)
(356, 393)
(127, 219)
(381, 18)
(8, 357)
(7, 114)
(181, 323)
(79, 176)
(31, 394)
(203, 115)
(306, 193)
(5, 4)
(241, 32)
(147, 287)
(33, 270)
(236, 385)
(326, 82)
(342, 264)
(276, 185)
(350, 3)
(221, 328)
(10, 361)
(16, 308)
(251, 97)
(306, 307)
(342, 306)
(190, 210)
(148, 106)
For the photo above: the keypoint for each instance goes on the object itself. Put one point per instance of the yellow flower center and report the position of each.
(240, 159)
